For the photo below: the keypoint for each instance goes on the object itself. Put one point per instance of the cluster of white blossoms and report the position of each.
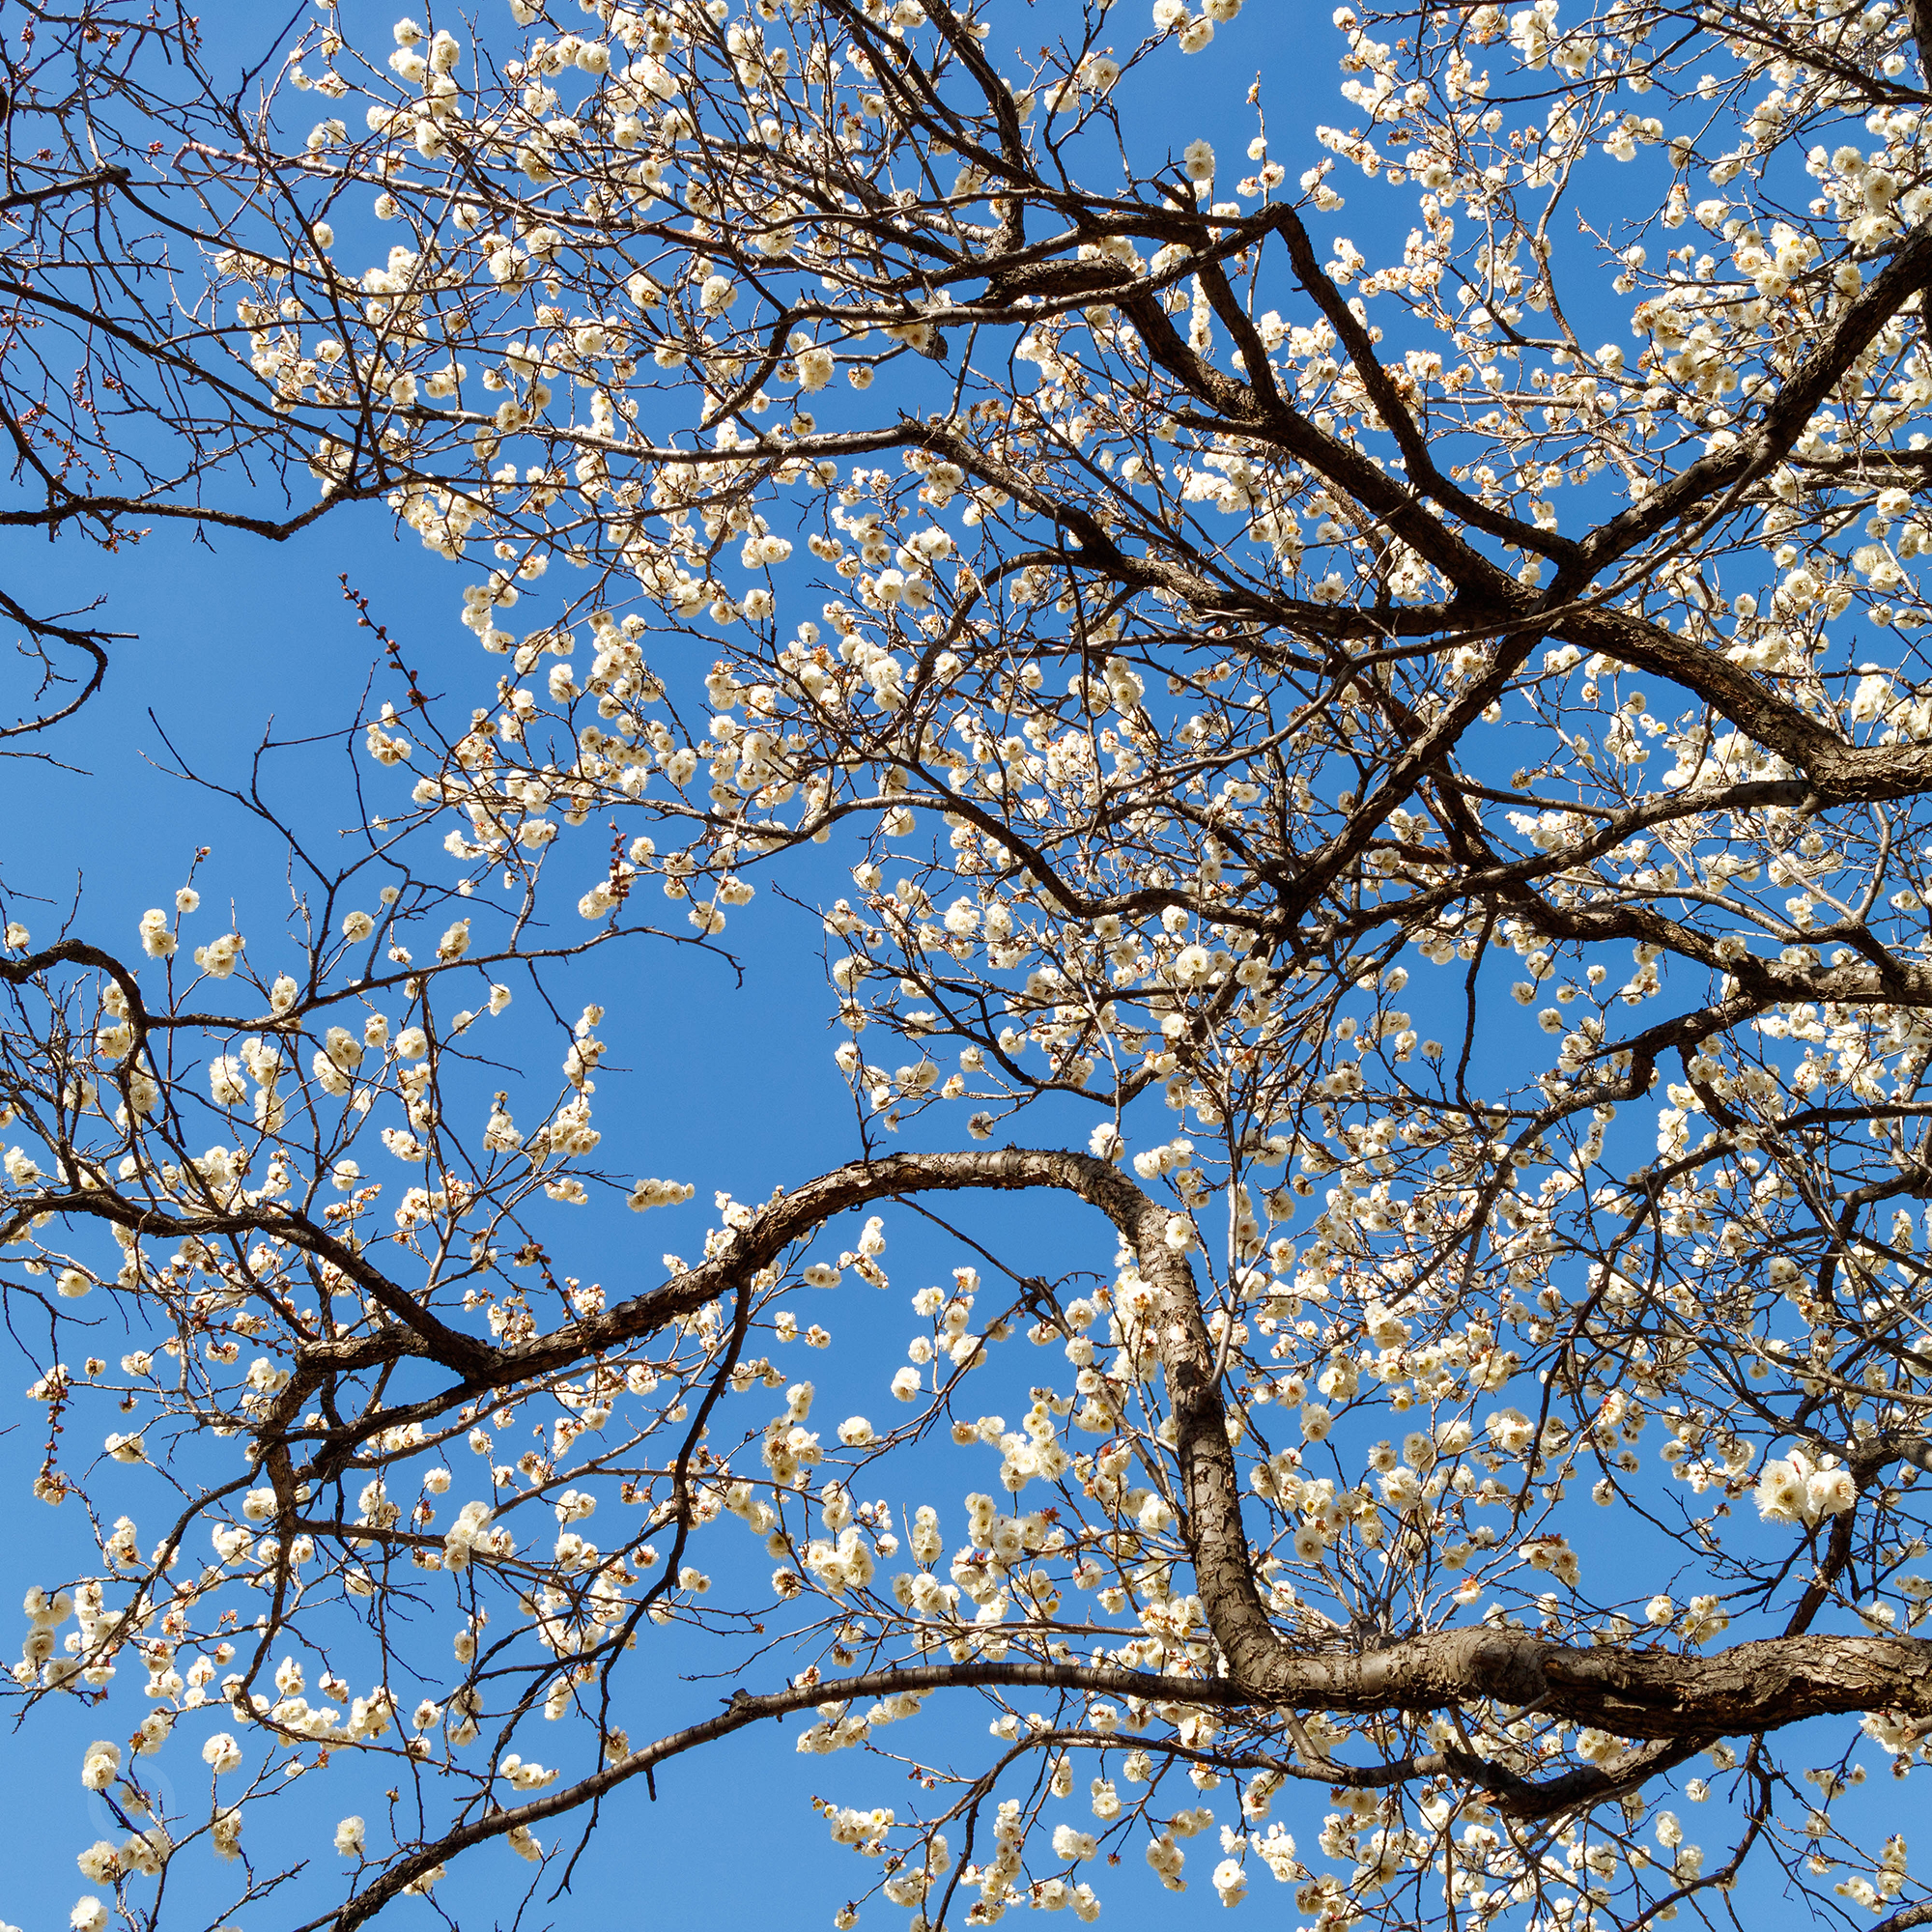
(1795, 1488)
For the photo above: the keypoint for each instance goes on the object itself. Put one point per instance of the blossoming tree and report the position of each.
(1389, 780)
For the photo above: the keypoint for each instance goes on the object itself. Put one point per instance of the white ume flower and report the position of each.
(1072, 1844)
(98, 1765)
(157, 940)
(100, 1862)
(1796, 1489)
